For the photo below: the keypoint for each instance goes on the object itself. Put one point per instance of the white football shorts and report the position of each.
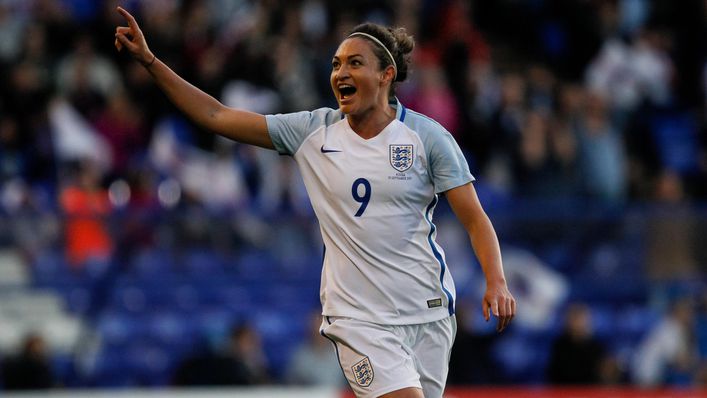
(378, 359)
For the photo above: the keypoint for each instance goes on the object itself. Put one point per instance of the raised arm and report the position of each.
(203, 109)
(497, 298)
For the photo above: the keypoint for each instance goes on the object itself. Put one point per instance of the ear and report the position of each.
(388, 74)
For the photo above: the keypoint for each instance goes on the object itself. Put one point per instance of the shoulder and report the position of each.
(321, 116)
(326, 116)
(433, 135)
(289, 130)
(423, 125)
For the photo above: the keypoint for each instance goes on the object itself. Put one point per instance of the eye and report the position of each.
(356, 62)
(335, 65)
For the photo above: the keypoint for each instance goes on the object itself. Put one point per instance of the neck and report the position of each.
(372, 122)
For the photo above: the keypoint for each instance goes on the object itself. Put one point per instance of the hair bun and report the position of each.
(396, 40)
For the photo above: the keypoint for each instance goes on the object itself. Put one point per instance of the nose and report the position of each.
(342, 72)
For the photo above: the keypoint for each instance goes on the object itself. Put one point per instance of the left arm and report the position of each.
(497, 298)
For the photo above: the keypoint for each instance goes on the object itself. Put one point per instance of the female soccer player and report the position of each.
(374, 171)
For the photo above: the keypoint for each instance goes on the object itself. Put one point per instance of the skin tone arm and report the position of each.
(497, 299)
(203, 109)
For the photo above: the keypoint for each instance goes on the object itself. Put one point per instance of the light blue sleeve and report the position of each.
(446, 163)
(289, 130)
(448, 167)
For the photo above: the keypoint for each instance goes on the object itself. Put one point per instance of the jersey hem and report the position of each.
(275, 137)
(455, 185)
(432, 316)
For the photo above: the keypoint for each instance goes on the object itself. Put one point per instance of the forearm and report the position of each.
(207, 111)
(199, 106)
(203, 109)
(487, 249)
(497, 299)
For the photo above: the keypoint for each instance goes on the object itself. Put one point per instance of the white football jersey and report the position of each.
(374, 199)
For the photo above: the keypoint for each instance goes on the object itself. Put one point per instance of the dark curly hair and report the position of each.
(396, 40)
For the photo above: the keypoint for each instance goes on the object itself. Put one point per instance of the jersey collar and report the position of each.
(400, 109)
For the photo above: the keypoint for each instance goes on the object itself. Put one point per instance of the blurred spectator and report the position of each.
(458, 45)
(25, 90)
(207, 368)
(667, 355)
(670, 233)
(240, 362)
(314, 361)
(213, 179)
(30, 368)
(294, 66)
(11, 30)
(546, 164)
(122, 126)
(665, 140)
(164, 25)
(541, 89)
(626, 73)
(142, 213)
(432, 96)
(34, 52)
(602, 157)
(564, 158)
(86, 206)
(504, 126)
(632, 15)
(576, 356)
(245, 346)
(73, 138)
(512, 107)
(86, 77)
(56, 18)
(12, 157)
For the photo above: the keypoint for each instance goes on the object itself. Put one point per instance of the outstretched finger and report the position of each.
(131, 20)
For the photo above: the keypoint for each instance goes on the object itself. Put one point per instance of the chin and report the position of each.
(346, 109)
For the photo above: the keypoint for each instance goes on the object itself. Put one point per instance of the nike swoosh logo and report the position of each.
(329, 150)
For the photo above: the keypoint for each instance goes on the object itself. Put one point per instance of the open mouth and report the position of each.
(346, 91)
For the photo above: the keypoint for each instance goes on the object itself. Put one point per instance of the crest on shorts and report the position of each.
(400, 157)
(363, 372)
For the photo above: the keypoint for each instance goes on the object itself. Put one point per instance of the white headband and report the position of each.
(395, 65)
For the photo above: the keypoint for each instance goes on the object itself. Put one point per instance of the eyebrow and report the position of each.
(349, 57)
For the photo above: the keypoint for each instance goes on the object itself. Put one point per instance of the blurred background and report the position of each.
(138, 251)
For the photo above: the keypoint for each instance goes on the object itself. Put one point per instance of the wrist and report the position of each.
(497, 280)
(150, 62)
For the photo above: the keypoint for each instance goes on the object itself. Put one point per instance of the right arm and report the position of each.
(203, 109)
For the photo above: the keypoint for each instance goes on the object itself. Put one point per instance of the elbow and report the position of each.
(212, 117)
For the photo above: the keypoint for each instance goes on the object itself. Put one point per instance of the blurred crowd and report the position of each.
(593, 98)
(598, 99)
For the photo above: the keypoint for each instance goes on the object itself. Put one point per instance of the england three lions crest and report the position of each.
(401, 157)
(363, 372)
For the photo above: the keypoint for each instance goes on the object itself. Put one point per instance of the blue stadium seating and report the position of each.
(165, 302)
